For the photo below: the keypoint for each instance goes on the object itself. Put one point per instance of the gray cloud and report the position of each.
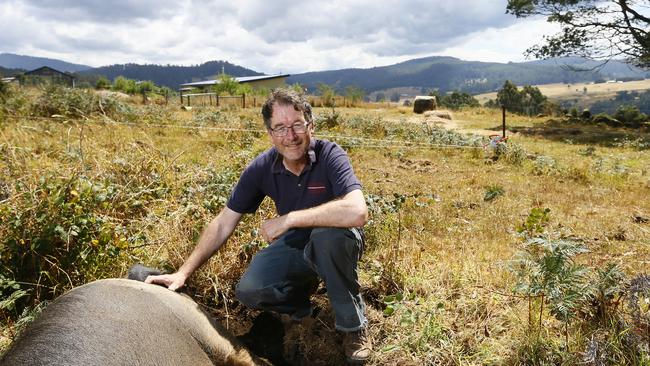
(102, 11)
(412, 22)
(283, 35)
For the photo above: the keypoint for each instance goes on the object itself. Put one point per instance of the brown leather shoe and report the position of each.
(357, 346)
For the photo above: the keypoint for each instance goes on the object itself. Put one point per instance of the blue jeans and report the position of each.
(282, 276)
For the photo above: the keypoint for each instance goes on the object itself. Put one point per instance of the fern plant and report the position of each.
(546, 270)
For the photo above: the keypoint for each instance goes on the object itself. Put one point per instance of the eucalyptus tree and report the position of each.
(596, 29)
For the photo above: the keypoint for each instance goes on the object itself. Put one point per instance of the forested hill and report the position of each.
(171, 75)
(13, 61)
(5, 72)
(446, 74)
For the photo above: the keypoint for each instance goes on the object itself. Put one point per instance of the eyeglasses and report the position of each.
(298, 128)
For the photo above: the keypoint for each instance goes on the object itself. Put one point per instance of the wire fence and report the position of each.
(345, 140)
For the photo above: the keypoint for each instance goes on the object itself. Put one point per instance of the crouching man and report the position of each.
(316, 235)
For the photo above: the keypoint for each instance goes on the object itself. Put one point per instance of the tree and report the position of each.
(145, 86)
(298, 88)
(457, 100)
(529, 100)
(226, 84)
(509, 96)
(601, 30)
(124, 85)
(102, 83)
(532, 100)
(327, 94)
(354, 93)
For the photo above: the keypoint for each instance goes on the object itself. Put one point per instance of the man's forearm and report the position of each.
(350, 211)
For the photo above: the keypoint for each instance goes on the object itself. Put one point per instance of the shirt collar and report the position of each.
(278, 167)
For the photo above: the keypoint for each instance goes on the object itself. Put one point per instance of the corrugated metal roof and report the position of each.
(241, 79)
(47, 68)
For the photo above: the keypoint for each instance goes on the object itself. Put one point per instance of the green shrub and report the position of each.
(102, 83)
(630, 116)
(60, 232)
(55, 236)
(606, 119)
(13, 101)
(515, 154)
(544, 165)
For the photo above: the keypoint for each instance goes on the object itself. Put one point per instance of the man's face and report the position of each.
(293, 146)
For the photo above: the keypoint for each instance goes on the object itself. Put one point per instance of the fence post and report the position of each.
(181, 97)
(210, 96)
(217, 100)
(503, 114)
(189, 104)
(243, 100)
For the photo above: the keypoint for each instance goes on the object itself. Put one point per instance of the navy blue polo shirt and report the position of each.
(328, 175)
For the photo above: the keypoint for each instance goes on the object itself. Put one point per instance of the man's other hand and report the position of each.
(172, 281)
(273, 228)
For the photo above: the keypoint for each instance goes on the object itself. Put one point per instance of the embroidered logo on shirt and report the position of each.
(317, 188)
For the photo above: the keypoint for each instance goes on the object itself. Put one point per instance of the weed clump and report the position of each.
(544, 165)
(57, 235)
(78, 103)
(13, 101)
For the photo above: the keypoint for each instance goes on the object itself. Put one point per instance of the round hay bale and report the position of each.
(424, 103)
(439, 114)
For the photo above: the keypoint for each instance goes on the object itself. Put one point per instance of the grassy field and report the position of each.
(588, 92)
(450, 218)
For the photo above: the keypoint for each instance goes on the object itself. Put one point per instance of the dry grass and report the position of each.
(445, 249)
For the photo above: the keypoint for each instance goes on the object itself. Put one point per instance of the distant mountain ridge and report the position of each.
(423, 74)
(13, 61)
(613, 69)
(449, 73)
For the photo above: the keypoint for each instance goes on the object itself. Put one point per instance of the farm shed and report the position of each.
(46, 75)
(256, 82)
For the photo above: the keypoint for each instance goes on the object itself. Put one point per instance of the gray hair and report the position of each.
(282, 96)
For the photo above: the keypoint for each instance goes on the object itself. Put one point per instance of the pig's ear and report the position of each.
(139, 272)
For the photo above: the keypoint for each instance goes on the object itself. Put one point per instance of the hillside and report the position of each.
(13, 61)
(612, 69)
(417, 75)
(445, 74)
(170, 75)
(583, 94)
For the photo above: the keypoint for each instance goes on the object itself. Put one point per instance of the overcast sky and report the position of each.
(272, 37)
